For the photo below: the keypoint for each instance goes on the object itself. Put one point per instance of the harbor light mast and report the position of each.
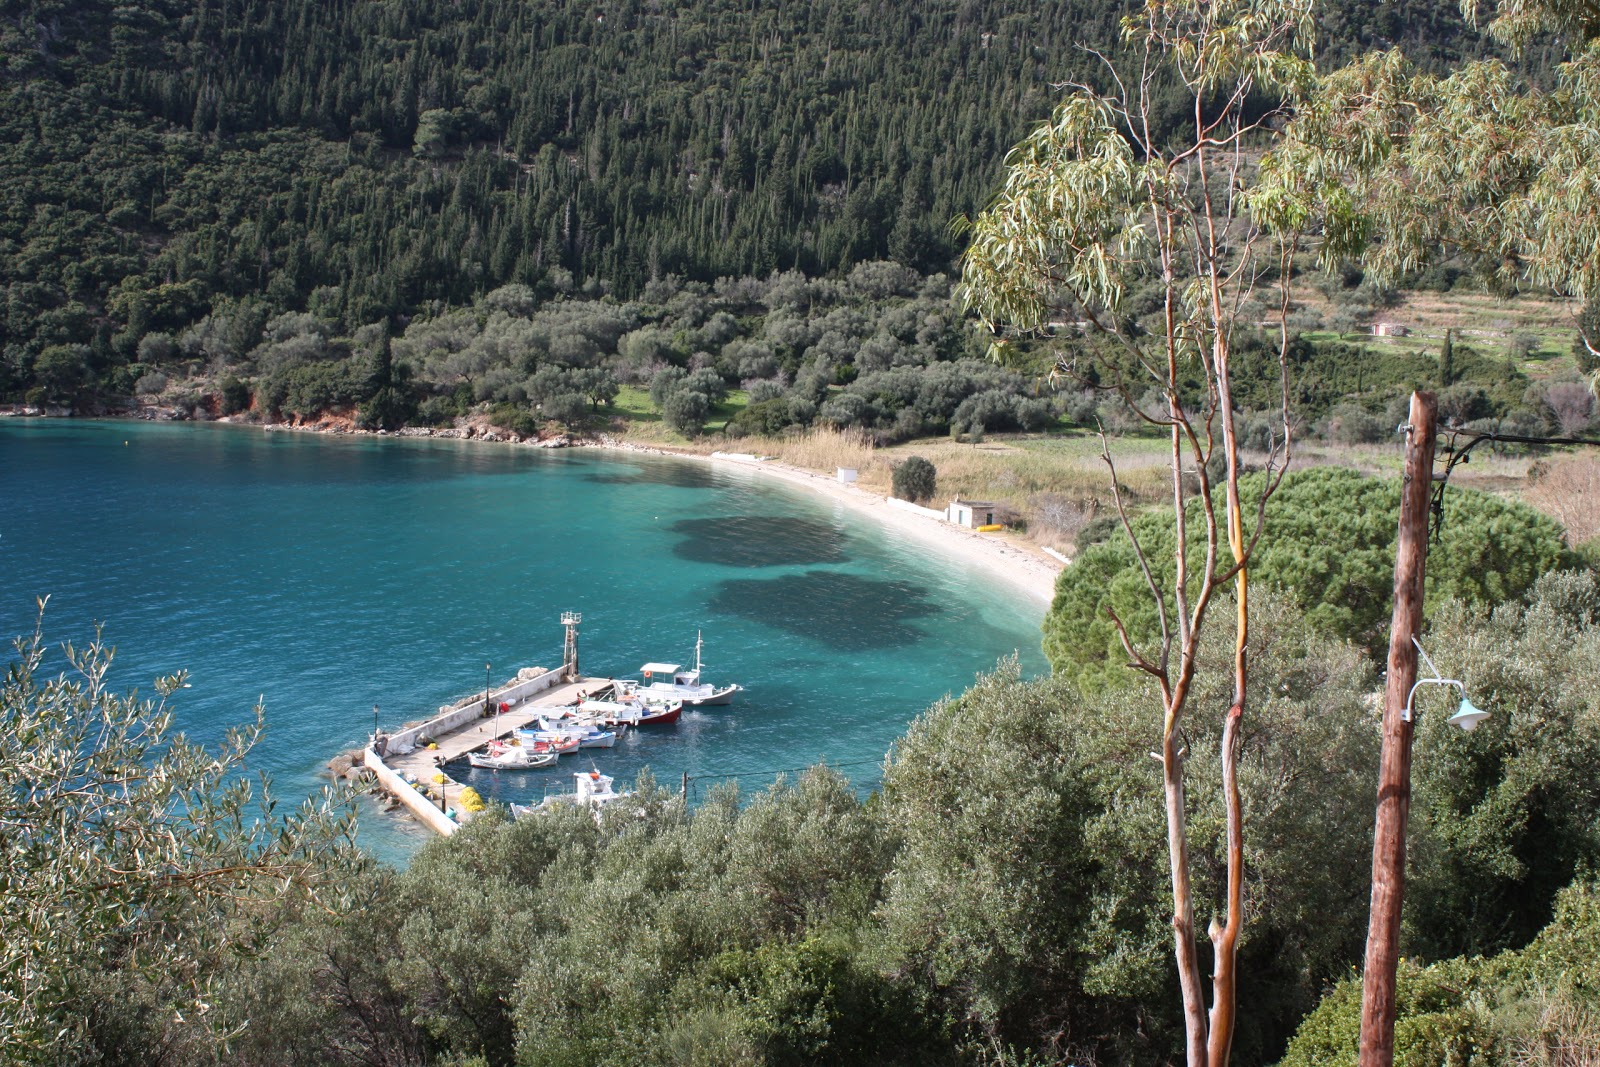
(569, 656)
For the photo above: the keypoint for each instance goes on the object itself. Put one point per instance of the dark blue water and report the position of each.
(325, 575)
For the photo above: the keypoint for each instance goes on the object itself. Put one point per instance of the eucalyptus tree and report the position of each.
(1095, 202)
(1407, 164)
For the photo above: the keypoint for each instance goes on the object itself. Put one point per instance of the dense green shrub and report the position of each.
(667, 380)
(234, 394)
(1536, 1006)
(518, 420)
(1506, 816)
(685, 412)
(1439, 1020)
(914, 479)
(767, 418)
(1330, 541)
(1030, 896)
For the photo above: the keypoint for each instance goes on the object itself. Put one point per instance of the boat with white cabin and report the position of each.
(674, 681)
(591, 790)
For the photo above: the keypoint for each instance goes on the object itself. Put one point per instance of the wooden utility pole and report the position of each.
(1394, 777)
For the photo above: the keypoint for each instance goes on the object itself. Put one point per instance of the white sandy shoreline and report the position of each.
(999, 557)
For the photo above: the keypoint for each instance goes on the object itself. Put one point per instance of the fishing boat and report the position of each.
(632, 709)
(499, 756)
(674, 681)
(558, 742)
(567, 725)
(591, 790)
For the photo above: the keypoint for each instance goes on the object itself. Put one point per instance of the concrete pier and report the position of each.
(406, 766)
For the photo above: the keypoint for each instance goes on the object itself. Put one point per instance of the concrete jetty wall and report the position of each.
(449, 718)
(407, 794)
(405, 769)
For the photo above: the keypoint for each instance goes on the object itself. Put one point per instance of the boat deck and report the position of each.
(422, 764)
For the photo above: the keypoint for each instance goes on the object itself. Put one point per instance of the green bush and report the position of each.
(1537, 1006)
(1436, 1022)
(1030, 896)
(235, 395)
(517, 420)
(914, 479)
(686, 413)
(1329, 541)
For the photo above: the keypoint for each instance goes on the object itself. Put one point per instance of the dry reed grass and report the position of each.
(1564, 1035)
(824, 449)
(1568, 490)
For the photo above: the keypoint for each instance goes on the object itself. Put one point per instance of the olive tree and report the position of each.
(127, 850)
(1025, 896)
(1095, 205)
(914, 479)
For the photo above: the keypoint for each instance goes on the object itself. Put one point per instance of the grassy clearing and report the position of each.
(633, 404)
(1488, 323)
(736, 401)
(637, 420)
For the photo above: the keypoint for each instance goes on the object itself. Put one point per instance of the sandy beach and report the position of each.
(1001, 557)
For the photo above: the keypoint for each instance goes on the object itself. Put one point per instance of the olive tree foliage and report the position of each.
(1026, 896)
(1092, 207)
(1505, 828)
(1509, 814)
(739, 947)
(1406, 164)
(657, 934)
(914, 479)
(132, 861)
(1538, 1006)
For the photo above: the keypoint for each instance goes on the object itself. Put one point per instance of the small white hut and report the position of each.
(970, 513)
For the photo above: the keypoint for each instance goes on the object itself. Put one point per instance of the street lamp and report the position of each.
(1467, 718)
(486, 688)
(374, 722)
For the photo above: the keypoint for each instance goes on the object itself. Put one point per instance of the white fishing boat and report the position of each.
(566, 726)
(685, 684)
(499, 756)
(591, 790)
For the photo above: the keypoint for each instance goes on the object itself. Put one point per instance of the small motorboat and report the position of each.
(588, 733)
(558, 741)
(500, 756)
(663, 714)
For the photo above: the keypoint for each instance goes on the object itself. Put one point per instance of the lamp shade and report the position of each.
(1469, 716)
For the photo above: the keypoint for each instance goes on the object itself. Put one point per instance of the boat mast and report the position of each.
(697, 643)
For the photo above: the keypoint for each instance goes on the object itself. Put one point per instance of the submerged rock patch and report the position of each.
(759, 541)
(843, 611)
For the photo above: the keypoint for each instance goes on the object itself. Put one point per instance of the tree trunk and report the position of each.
(1394, 777)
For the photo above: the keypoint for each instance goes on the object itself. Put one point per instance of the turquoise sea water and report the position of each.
(329, 574)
